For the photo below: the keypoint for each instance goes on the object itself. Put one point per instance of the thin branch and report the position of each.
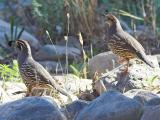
(112, 71)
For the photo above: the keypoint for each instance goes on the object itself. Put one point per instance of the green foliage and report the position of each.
(80, 69)
(124, 13)
(158, 15)
(48, 13)
(10, 73)
(152, 79)
(14, 34)
(77, 69)
(2, 1)
(103, 1)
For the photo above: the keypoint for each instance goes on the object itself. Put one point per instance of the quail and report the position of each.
(33, 73)
(123, 44)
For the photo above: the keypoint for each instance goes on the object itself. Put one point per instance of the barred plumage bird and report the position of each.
(33, 73)
(122, 43)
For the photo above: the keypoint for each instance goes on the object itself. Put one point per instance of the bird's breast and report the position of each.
(120, 48)
(29, 75)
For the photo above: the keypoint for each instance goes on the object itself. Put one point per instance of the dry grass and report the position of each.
(82, 15)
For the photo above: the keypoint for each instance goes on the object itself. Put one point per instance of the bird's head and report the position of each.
(111, 19)
(21, 46)
(113, 22)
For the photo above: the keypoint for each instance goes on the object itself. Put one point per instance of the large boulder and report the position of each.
(139, 76)
(140, 95)
(5, 29)
(72, 42)
(153, 102)
(31, 108)
(111, 105)
(152, 113)
(55, 52)
(71, 110)
(102, 62)
(53, 66)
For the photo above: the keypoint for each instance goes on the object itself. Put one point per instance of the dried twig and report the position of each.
(112, 71)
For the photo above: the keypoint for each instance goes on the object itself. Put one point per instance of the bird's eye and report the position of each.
(19, 46)
(111, 18)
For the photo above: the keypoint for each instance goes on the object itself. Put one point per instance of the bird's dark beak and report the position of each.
(12, 44)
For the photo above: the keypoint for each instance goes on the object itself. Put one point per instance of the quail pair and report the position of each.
(120, 43)
(33, 73)
(123, 44)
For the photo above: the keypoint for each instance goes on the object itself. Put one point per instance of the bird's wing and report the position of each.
(41, 72)
(131, 42)
(136, 47)
(47, 78)
(35, 72)
(30, 71)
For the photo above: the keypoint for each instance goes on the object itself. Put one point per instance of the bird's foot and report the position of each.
(125, 70)
(121, 60)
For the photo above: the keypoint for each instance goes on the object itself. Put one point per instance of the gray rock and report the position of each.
(102, 62)
(72, 42)
(152, 113)
(158, 57)
(140, 76)
(5, 29)
(153, 102)
(31, 108)
(143, 70)
(111, 105)
(142, 96)
(102, 85)
(53, 67)
(55, 52)
(74, 84)
(71, 110)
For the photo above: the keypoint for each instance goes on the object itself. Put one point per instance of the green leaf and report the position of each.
(124, 13)
(20, 33)
(15, 33)
(6, 37)
(75, 70)
(10, 73)
(152, 79)
(12, 27)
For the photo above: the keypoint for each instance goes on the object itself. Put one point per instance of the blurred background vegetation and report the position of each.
(37, 16)
(85, 17)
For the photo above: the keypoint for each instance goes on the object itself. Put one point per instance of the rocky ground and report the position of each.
(107, 95)
(111, 105)
(115, 96)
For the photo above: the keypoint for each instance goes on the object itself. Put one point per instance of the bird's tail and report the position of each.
(59, 88)
(144, 58)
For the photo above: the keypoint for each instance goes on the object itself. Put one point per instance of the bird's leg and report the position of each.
(124, 61)
(28, 93)
(121, 60)
(125, 70)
